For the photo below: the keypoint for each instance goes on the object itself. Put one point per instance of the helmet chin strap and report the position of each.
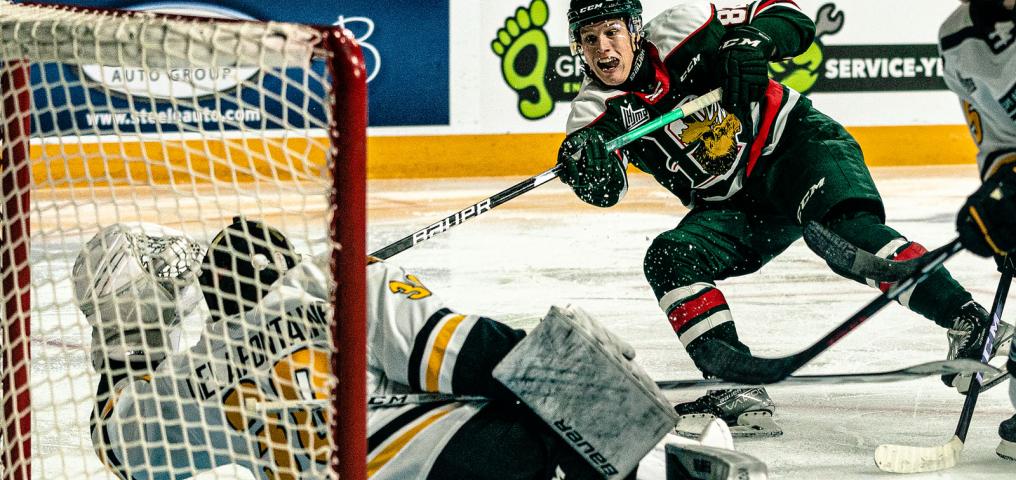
(636, 64)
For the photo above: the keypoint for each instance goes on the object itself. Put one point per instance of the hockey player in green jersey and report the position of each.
(979, 54)
(753, 169)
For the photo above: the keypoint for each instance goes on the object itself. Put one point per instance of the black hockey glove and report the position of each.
(585, 158)
(987, 221)
(744, 57)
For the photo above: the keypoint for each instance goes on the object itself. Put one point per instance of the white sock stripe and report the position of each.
(681, 293)
(885, 252)
(704, 325)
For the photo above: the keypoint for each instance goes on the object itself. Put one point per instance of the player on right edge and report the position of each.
(978, 46)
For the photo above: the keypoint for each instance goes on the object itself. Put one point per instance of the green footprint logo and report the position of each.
(524, 49)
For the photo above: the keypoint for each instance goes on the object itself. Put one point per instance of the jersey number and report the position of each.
(303, 375)
(732, 16)
(412, 287)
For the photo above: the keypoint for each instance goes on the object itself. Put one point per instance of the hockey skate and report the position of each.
(1007, 446)
(966, 340)
(748, 412)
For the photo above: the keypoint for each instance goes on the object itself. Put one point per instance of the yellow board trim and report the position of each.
(407, 157)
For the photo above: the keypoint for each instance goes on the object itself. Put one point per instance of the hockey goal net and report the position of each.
(118, 117)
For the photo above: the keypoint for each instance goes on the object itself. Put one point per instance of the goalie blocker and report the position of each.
(565, 367)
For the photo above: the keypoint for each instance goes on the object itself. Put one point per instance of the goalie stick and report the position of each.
(739, 366)
(502, 197)
(911, 459)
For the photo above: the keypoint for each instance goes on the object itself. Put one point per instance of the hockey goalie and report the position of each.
(252, 391)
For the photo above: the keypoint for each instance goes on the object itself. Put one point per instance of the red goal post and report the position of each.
(80, 151)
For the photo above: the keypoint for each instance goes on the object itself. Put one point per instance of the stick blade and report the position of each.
(742, 367)
(911, 459)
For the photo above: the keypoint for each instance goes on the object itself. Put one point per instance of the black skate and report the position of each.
(748, 412)
(1007, 447)
(966, 340)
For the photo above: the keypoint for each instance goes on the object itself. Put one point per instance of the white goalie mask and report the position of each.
(134, 283)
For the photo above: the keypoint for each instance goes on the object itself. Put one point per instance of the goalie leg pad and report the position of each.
(699, 462)
(567, 369)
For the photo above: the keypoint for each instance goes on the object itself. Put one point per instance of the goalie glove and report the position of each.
(987, 221)
(743, 63)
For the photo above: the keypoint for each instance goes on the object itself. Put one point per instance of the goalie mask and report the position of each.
(134, 283)
(585, 12)
(243, 262)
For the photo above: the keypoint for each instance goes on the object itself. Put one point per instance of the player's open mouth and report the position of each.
(608, 65)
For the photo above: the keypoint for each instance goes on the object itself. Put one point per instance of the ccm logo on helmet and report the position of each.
(590, 7)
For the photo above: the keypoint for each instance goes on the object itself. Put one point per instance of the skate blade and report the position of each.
(692, 425)
(749, 425)
(756, 424)
(1006, 450)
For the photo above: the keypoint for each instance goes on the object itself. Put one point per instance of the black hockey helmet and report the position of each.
(242, 263)
(584, 12)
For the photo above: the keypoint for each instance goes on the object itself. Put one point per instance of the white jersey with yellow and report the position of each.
(982, 72)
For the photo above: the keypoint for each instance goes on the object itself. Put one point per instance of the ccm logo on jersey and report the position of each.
(451, 221)
(585, 448)
(807, 197)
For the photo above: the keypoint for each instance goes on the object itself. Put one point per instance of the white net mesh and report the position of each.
(149, 134)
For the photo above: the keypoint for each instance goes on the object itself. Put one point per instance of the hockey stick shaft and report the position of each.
(908, 373)
(1001, 293)
(735, 365)
(502, 197)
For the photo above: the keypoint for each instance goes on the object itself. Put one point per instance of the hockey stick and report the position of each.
(502, 197)
(846, 256)
(739, 366)
(910, 459)
(941, 367)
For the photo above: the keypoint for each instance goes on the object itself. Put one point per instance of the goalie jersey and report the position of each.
(253, 390)
(982, 72)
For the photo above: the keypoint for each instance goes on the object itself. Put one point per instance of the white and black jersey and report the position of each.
(982, 72)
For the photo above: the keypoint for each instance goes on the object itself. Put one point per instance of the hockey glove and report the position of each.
(585, 158)
(744, 57)
(987, 221)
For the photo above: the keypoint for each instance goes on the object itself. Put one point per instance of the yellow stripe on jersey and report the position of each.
(393, 448)
(1005, 160)
(984, 231)
(437, 352)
